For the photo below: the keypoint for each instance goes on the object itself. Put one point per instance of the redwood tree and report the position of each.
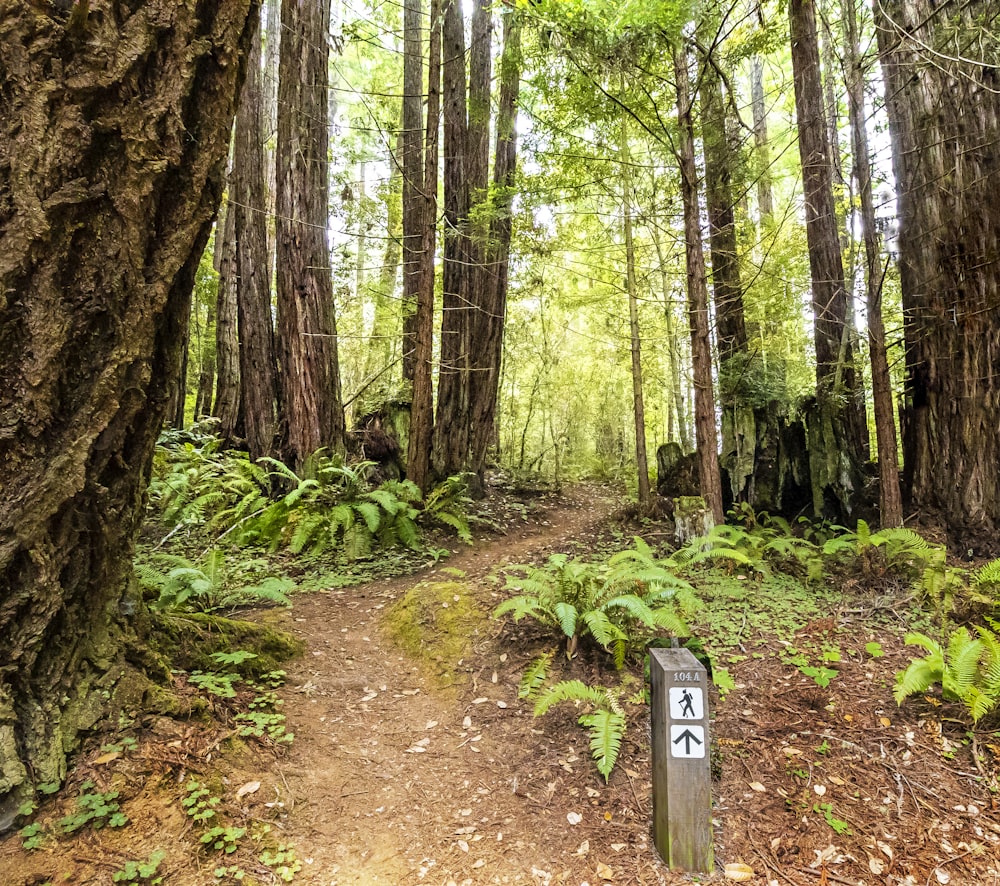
(112, 157)
(248, 197)
(940, 64)
(310, 376)
(837, 431)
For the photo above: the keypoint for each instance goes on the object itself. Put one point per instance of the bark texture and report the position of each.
(227, 341)
(838, 434)
(701, 353)
(422, 404)
(248, 199)
(307, 329)
(451, 432)
(890, 498)
(943, 96)
(111, 165)
(488, 350)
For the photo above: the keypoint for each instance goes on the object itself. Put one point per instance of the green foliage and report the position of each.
(94, 808)
(620, 603)
(820, 674)
(141, 871)
(447, 504)
(534, 675)
(839, 826)
(32, 836)
(968, 669)
(208, 585)
(605, 719)
(283, 860)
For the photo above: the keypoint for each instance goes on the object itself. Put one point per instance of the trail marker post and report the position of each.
(682, 778)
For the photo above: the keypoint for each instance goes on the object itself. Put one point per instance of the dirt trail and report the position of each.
(392, 780)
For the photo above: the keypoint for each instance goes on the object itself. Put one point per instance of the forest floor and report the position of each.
(431, 770)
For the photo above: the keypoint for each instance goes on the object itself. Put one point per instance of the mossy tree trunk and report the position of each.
(112, 159)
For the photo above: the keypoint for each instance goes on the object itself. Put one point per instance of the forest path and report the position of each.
(391, 779)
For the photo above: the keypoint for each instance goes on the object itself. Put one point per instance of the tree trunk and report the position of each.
(257, 361)
(227, 346)
(944, 114)
(382, 334)
(451, 432)
(701, 350)
(422, 403)
(488, 352)
(411, 160)
(765, 198)
(837, 426)
(206, 375)
(739, 432)
(101, 231)
(890, 500)
(638, 408)
(675, 394)
(307, 329)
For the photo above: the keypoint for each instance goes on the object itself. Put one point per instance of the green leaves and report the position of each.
(621, 604)
(968, 670)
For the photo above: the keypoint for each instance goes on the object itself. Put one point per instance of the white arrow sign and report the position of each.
(686, 703)
(687, 741)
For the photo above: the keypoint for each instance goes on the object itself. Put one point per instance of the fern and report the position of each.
(534, 675)
(968, 670)
(606, 724)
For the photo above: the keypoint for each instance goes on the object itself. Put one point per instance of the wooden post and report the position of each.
(682, 788)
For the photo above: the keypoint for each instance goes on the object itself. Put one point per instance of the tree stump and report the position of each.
(692, 518)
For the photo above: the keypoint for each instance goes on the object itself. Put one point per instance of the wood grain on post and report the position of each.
(682, 788)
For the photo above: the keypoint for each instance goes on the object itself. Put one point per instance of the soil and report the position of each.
(408, 770)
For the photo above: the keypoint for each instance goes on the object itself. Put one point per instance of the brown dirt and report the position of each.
(398, 776)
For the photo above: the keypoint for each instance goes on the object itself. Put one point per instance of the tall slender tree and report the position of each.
(709, 478)
(227, 349)
(890, 499)
(307, 331)
(837, 427)
(422, 408)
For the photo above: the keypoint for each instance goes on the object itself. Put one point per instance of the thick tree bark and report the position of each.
(701, 350)
(101, 228)
(890, 500)
(837, 425)
(944, 114)
(422, 403)
(227, 344)
(451, 431)
(307, 329)
(488, 352)
(257, 361)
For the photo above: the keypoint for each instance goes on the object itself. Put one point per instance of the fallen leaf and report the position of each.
(631, 773)
(251, 787)
(410, 691)
(574, 817)
(886, 849)
(837, 781)
(107, 758)
(478, 863)
(820, 789)
(431, 724)
(481, 700)
(463, 845)
(618, 847)
(467, 723)
(583, 848)
(942, 876)
(875, 865)
(736, 870)
(885, 721)
(791, 752)
(757, 786)
(604, 872)
(501, 704)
